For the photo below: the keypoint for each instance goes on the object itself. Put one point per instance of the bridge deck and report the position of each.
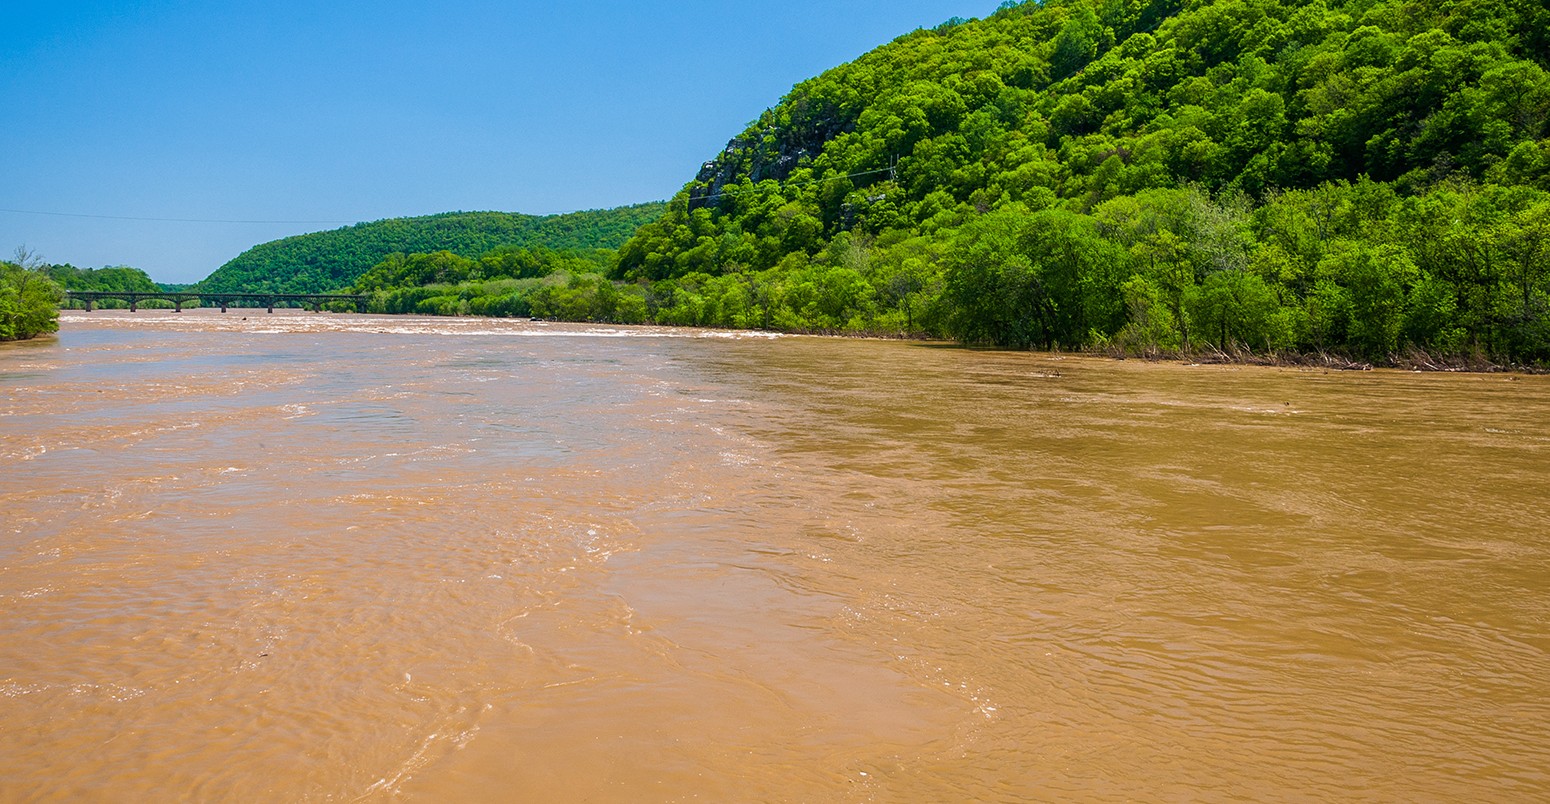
(224, 300)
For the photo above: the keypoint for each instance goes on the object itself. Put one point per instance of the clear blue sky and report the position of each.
(332, 113)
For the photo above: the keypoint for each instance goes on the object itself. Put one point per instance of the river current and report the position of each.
(316, 557)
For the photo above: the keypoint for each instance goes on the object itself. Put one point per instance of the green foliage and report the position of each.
(508, 262)
(326, 261)
(589, 297)
(111, 278)
(116, 278)
(1361, 177)
(1020, 279)
(505, 282)
(1356, 176)
(29, 302)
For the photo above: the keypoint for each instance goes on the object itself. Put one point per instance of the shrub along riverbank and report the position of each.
(1356, 272)
(29, 301)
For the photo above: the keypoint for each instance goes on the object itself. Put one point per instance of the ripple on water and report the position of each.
(332, 557)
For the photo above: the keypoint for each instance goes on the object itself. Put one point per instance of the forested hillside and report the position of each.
(1366, 177)
(505, 282)
(324, 261)
(111, 278)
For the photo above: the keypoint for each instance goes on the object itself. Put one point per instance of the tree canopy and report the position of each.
(1361, 176)
(110, 278)
(29, 300)
(325, 261)
(1368, 178)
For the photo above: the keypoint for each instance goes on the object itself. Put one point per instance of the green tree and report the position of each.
(29, 298)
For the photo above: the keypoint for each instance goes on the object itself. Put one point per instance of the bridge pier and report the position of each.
(306, 301)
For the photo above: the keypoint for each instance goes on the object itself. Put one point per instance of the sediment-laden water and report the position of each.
(334, 558)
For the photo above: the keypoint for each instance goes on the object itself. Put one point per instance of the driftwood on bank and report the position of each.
(1410, 360)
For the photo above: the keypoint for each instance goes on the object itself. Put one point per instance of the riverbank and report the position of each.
(1414, 360)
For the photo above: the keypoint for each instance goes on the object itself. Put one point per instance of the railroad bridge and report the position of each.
(223, 300)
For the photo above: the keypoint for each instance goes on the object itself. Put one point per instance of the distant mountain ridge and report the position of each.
(331, 260)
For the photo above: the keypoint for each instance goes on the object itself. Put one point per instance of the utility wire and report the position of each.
(153, 220)
(724, 192)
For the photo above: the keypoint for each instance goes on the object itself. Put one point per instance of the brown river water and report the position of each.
(304, 557)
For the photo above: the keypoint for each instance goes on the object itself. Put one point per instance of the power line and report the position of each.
(724, 192)
(156, 220)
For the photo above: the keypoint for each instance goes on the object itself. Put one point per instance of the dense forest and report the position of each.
(29, 299)
(508, 282)
(1363, 177)
(327, 261)
(120, 278)
(1366, 179)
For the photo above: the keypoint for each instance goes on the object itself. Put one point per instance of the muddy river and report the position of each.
(318, 557)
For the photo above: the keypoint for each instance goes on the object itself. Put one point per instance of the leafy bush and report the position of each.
(29, 302)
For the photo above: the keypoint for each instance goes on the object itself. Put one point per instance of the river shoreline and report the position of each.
(1417, 362)
(1414, 360)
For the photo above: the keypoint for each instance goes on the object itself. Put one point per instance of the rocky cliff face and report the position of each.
(764, 151)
